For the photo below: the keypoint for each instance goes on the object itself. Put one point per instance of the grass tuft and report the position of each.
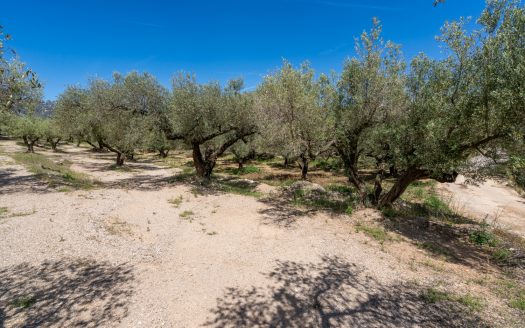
(433, 295)
(375, 232)
(24, 301)
(176, 202)
(186, 214)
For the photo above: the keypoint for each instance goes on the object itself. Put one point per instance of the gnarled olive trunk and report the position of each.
(163, 153)
(120, 159)
(203, 166)
(30, 143)
(53, 143)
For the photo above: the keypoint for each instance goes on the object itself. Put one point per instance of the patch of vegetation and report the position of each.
(248, 169)
(238, 187)
(518, 302)
(3, 211)
(55, 174)
(432, 295)
(329, 165)
(512, 291)
(435, 248)
(435, 205)
(483, 236)
(120, 168)
(375, 232)
(186, 214)
(472, 302)
(176, 202)
(341, 188)
(24, 302)
(117, 227)
(501, 255)
(322, 201)
(277, 182)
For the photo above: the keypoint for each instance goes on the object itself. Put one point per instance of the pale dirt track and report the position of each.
(492, 201)
(122, 256)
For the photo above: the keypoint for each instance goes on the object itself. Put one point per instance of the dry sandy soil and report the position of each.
(123, 255)
(491, 200)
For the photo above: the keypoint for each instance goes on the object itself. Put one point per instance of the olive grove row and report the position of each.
(417, 120)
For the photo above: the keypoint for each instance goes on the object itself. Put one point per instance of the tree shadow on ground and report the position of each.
(334, 293)
(439, 239)
(11, 182)
(281, 213)
(77, 293)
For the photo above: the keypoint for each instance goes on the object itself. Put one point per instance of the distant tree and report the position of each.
(76, 118)
(156, 140)
(245, 150)
(209, 118)
(114, 114)
(294, 114)
(51, 132)
(30, 128)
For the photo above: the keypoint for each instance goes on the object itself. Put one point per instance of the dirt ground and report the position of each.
(492, 201)
(144, 251)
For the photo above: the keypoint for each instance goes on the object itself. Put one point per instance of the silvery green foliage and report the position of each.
(370, 95)
(19, 86)
(294, 114)
(210, 118)
(429, 122)
(115, 114)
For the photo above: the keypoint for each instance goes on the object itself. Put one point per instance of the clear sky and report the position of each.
(67, 42)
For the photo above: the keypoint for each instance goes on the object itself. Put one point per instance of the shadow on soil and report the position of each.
(64, 294)
(281, 213)
(10, 182)
(333, 293)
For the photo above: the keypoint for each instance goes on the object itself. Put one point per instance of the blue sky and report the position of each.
(67, 42)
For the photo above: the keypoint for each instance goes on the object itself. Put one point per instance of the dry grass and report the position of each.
(115, 226)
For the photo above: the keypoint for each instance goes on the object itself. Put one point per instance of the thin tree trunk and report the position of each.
(241, 164)
(304, 166)
(26, 143)
(120, 159)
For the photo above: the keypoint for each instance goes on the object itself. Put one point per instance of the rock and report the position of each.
(307, 187)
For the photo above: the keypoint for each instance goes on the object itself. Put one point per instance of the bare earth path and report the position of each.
(124, 256)
(491, 200)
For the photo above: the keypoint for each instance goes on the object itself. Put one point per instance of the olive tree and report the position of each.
(113, 114)
(76, 119)
(18, 84)
(294, 113)
(467, 104)
(209, 118)
(245, 150)
(30, 128)
(51, 133)
(370, 91)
